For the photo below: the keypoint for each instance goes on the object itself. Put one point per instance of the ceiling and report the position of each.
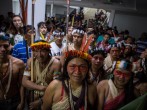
(137, 7)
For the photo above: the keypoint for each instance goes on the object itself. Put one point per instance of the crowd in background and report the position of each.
(110, 49)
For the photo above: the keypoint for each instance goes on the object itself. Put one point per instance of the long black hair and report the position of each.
(64, 75)
(129, 87)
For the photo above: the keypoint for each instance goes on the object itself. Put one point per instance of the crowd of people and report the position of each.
(88, 68)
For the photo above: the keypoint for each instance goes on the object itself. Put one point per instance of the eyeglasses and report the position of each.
(4, 45)
(120, 73)
(79, 67)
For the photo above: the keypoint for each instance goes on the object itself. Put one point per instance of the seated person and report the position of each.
(71, 91)
(97, 72)
(118, 91)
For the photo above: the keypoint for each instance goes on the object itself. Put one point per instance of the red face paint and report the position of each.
(78, 67)
(121, 74)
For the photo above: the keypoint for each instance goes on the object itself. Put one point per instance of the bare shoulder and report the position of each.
(102, 85)
(17, 61)
(54, 85)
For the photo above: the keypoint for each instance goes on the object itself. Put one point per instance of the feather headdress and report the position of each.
(83, 52)
(122, 64)
(41, 44)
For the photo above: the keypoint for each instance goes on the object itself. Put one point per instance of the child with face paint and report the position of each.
(117, 91)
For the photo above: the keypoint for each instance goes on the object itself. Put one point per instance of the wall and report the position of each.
(60, 10)
(5, 6)
(16, 7)
(135, 24)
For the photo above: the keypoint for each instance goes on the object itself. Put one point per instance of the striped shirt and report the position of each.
(141, 46)
(19, 51)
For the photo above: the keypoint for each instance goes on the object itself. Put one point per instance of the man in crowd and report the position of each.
(58, 45)
(112, 56)
(45, 69)
(11, 72)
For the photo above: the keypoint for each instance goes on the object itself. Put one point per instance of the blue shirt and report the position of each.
(100, 39)
(19, 51)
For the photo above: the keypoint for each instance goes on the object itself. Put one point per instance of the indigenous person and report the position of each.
(111, 57)
(22, 49)
(69, 35)
(96, 72)
(11, 72)
(128, 53)
(78, 36)
(115, 92)
(44, 69)
(91, 32)
(72, 91)
(57, 46)
(140, 79)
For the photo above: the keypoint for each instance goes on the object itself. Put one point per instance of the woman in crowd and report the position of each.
(96, 72)
(16, 29)
(72, 91)
(117, 91)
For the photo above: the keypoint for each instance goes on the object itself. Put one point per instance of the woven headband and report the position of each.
(77, 31)
(55, 33)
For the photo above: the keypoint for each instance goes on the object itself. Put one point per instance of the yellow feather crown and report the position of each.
(40, 45)
(77, 53)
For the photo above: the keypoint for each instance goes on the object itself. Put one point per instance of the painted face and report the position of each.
(17, 22)
(97, 60)
(77, 69)
(42, 55)
(43, 29)
(4, 48)
(114, 52)
(121, 77)
(77, 39)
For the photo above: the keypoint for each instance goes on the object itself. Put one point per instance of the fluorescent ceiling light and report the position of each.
(78, 0)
